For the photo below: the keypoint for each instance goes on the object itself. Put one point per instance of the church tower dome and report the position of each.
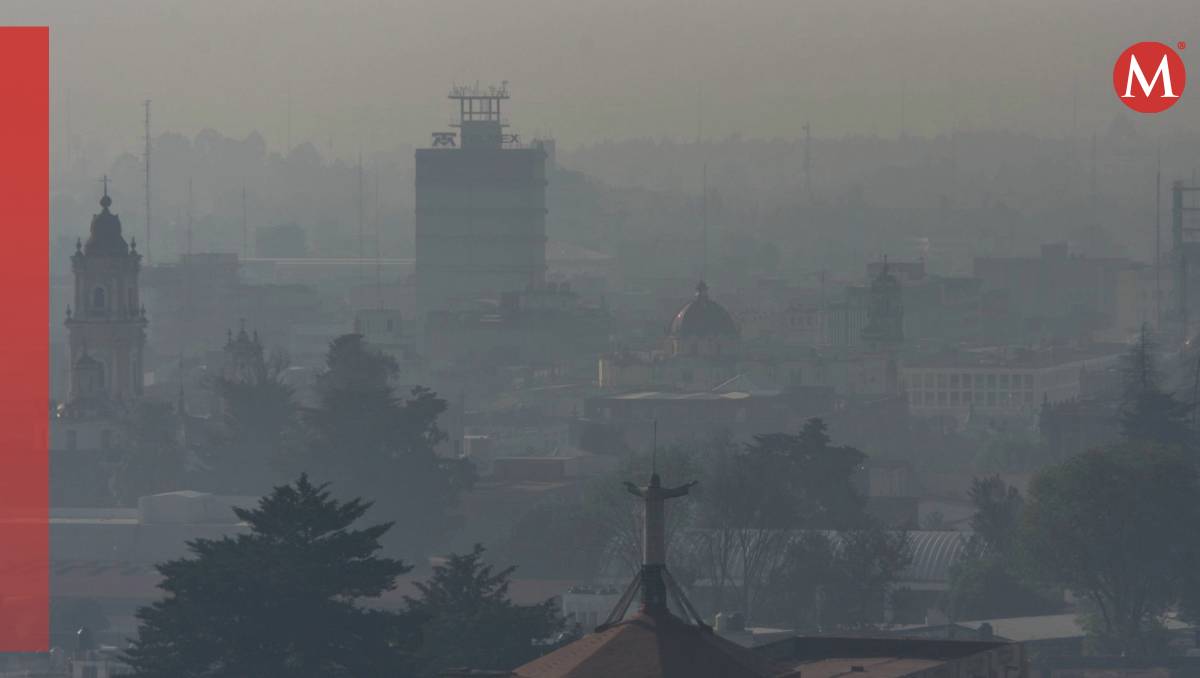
(885, 311)
(106, 322)
(702, 328)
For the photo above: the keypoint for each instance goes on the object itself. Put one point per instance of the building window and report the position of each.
(98, 298)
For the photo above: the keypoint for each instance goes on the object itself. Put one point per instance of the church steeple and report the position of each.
(107, 317)
(885, 310)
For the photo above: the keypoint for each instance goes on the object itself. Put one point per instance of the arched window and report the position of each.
(98, 298)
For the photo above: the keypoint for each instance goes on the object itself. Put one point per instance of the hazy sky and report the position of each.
(376, 73)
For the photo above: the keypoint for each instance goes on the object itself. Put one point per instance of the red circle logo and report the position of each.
(1149, 77)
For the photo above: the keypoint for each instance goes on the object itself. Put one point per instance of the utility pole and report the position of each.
(245, 228)
(146, 162)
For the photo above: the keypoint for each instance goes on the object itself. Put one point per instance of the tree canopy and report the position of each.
(281, 600)
(1149, 413)
(373, 443)
(1106, 525)
(467, 619)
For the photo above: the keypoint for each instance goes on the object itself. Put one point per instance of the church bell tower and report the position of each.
(106, 322)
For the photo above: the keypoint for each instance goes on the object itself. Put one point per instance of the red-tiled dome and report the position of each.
(702, 317)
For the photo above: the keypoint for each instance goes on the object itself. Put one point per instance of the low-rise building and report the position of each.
(999, 382)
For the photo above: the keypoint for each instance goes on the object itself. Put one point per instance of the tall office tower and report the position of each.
(480, 208)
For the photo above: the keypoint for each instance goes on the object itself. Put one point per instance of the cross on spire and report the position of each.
(105, 201)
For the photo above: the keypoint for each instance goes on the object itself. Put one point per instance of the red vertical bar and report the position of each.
(25, 342)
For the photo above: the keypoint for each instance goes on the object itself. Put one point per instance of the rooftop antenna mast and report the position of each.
(378, 241)
(704, 210)
(289, 120)
(807, 160)
(186, 263)
(189, 221)
(1158, 241)
(359, 176)
(245, 228)
(703, 181)
(146, 163)
(67, 130)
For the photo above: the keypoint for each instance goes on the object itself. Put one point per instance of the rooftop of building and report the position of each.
(650, 645)
(1016, 357)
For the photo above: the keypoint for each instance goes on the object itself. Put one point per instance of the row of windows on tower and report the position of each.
(100, 299)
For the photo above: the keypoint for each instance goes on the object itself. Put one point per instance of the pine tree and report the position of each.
(379, 445)
(1149, 413)
(280, 601)
(259, 419)
(468, 620)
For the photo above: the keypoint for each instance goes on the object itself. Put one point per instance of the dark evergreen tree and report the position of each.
(259, 421)
(378, 445)
(812, 480)
(280, 601)
(152, 458)
(827, 581)
(997, 513)
(1150, 413)
(988, 580)
(468, 620)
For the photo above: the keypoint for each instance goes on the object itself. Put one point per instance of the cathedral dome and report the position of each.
(105, 237)
(702, 317)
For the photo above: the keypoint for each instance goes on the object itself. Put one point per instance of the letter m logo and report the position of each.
(1149, 77)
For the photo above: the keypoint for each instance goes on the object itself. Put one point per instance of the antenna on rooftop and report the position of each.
(189, 219)
(704, 218)
(359, 174)
(146, 163)
(245, 228)
(378, 242)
